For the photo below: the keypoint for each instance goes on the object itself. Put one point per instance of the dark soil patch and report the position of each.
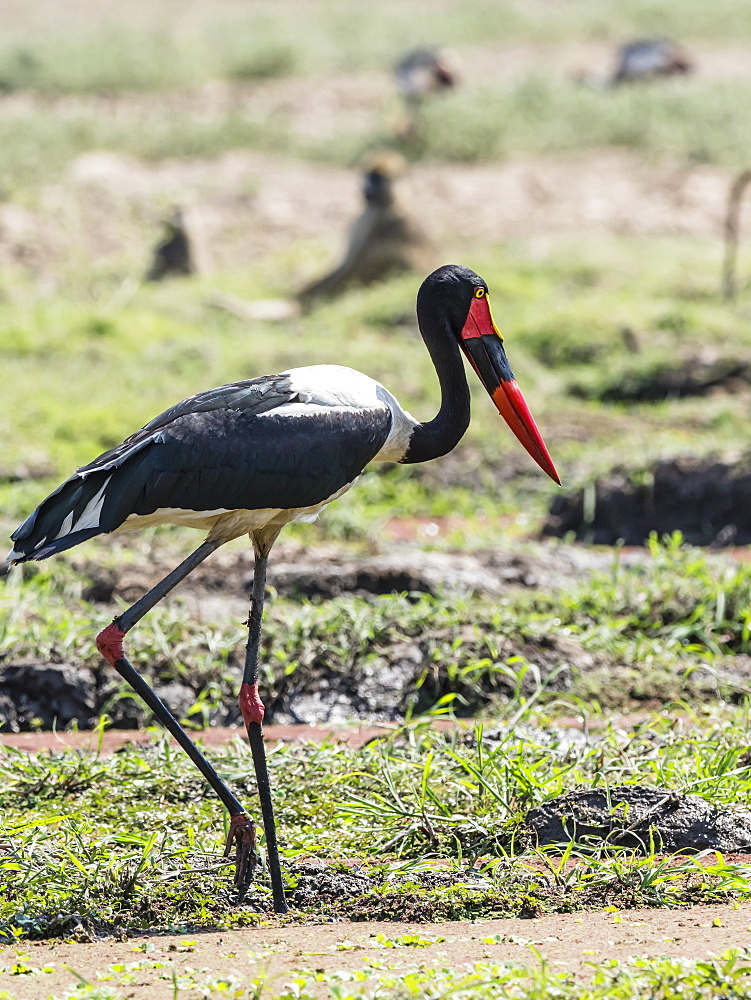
(327, 671)
(696, 376)
(35, 695)
(380, 683)
(706, 500)
(333, 680)
(414, 673)
(636, 816)
(437, 891)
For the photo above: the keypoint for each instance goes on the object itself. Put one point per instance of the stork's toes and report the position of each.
(242, 833)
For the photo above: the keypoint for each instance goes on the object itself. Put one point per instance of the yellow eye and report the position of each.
(479, 292)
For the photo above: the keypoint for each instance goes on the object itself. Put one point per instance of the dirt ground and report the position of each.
(571, 943)
(354, 735)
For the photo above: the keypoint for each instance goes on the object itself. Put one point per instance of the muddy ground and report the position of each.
(397, 674)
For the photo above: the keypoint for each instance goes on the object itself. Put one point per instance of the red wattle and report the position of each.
(109, 642)
(251, 706)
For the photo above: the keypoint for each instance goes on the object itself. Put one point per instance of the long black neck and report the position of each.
(439, 435)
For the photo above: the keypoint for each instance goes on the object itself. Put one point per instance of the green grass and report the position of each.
(94, 51)
(693, 121)
(98, 371)
(690, 121)
(137, 90)
(133, 840)
(665, 631)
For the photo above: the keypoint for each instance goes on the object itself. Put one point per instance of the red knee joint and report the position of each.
(251, 705)
(109, 642)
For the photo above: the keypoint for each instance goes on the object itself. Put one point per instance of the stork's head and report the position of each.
(460, 298)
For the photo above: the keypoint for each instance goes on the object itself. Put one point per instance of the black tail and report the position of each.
(68, 516)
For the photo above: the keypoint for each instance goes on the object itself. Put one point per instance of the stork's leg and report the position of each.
(252, 710)
(110, 645)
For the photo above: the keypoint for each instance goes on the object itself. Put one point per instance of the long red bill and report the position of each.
(483, 346)
(514, 410)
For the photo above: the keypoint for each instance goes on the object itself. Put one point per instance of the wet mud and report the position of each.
(393, 674)
(318, 575)
(384, 684)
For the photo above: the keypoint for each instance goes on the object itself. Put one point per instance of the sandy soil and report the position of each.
(571, 943)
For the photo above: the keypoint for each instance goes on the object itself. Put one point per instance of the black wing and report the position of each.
(225, 448)
(253, 395)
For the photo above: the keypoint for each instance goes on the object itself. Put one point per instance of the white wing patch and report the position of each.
(89, 515)
(333, 386)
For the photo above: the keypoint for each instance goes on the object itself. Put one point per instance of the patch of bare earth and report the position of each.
(572, 944)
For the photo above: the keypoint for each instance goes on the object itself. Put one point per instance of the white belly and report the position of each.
(223, 524)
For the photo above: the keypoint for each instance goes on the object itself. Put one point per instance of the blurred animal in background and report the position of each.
(419, 74)
(647, 58)
(384, 239)
(641, 59)
(173, 254)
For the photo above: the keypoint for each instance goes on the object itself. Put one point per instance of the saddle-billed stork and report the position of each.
(250, 457)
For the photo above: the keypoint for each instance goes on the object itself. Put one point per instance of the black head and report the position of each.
(453, 308)
(449, 292)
